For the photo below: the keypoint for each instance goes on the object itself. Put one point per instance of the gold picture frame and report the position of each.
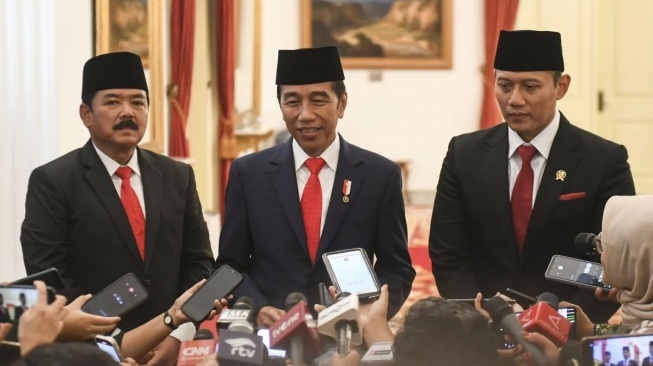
(136, 26)
(373, 34)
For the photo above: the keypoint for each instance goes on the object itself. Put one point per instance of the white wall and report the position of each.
(409, 114)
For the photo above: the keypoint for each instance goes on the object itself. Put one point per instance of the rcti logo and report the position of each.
(242, 347)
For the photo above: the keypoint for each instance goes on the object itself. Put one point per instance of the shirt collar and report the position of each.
(330, 155)
(112, 165)
(542, 141)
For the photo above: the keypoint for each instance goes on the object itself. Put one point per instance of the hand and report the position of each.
(549, 350)
(374, 319)
(40, 324)
(165, 353)
(611, 295)
(80, 326)
(353, 358)
(179, 318)
(479, 305)
(268, 315)
(584, 326)
(129, 362)
(211, 360)
(5, 328)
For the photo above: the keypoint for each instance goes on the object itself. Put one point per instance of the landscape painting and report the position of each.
(381, 33)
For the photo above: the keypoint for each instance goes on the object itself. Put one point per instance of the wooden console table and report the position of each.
(250, 139)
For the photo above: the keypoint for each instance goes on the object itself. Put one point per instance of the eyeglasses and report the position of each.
(599, 246)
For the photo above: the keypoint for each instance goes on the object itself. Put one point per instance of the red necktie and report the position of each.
(132, 208)
(312, 206)
(522, 195)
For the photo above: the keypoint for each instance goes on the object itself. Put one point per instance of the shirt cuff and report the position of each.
(185, 332)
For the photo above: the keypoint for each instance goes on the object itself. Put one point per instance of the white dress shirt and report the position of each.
(327, 174)
(135, 179)
(542, 143)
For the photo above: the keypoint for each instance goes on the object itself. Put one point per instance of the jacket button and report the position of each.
(147, 282)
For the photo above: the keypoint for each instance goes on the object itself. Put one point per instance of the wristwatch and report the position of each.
(168, 321)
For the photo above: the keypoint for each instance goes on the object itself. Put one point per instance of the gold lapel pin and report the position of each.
(561, 175)
(346, 190)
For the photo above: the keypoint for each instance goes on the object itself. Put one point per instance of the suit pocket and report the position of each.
(573, 196)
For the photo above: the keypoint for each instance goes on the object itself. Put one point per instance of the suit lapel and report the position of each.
(152, 195)
(498, 186)
(348, 168)
(100, 181)
(561, 158)
(284, 180)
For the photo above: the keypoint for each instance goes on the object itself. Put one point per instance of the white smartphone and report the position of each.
(109, 345)
(350, 271)
(576, 272)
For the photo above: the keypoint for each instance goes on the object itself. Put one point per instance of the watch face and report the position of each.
(167, 319)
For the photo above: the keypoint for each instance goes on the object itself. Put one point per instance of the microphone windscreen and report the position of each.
(497, 308)
(585, 242)
(203, 334)
(550, 299)
(244, 302)
(294, 299)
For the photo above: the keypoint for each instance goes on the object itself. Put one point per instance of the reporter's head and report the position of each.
(449, 333)
(66, 354)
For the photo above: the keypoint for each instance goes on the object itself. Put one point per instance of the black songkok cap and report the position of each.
(626, 348)
(118, 70)
(309, 66)
(529, 50)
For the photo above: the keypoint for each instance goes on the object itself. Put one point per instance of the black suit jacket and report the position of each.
(4, 314)
(75, 221)
(472, 242)
(630, 363)
(263, 234)
(19, 310)
(647, 361)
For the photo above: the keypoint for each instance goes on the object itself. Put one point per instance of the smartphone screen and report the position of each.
(576, 271)
(221, 283)
(351, 272)
(16, 299)
(109, 347)
(118, 298)
(610, 350)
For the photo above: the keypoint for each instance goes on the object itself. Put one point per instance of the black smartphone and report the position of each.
(350, 271)
(221, 283)
(16, 299)
(50, 277)
(576, 272)
(325, 296)
(607, 350)
(118, 298)
(109, 345)
(567, 312)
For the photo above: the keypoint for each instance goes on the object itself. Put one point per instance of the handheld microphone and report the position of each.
(242, 310)
(193, 352)
(340, 321)
(378, 354)
(502, 314)
(240, 349)
(294, 328)
(543, 318)
(586, 243)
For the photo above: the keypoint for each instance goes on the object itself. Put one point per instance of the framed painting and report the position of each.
(381, 34)
(136, 26)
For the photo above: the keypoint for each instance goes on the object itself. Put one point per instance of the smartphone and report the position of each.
(350, 271)
(325, 295)
(50, 277)
(576, 272)
(610, 349)
(567, 312)
(109, 345)
(118, 298)
(16, 299)
(221, 283)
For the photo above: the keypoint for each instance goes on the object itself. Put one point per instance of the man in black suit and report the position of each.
(4, 313)
(110, 207)
(606, 359)
(282, 214)
(20, 309)
(648, 361)
(626, 361)
(497, 219)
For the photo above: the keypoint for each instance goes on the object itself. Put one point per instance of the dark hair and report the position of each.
(66, 354)
(88, 99)
(556, 77)
(439, 332)
(338, 88)
(607, 353)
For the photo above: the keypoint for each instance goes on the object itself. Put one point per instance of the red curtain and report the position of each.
(182, 36)
(499, 14)
(227, 147)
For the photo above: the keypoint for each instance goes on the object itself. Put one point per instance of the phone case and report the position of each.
(570, 282)
(50, 277)
(370, 295)
(112, 343)
(185, 308)
(142, 289)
